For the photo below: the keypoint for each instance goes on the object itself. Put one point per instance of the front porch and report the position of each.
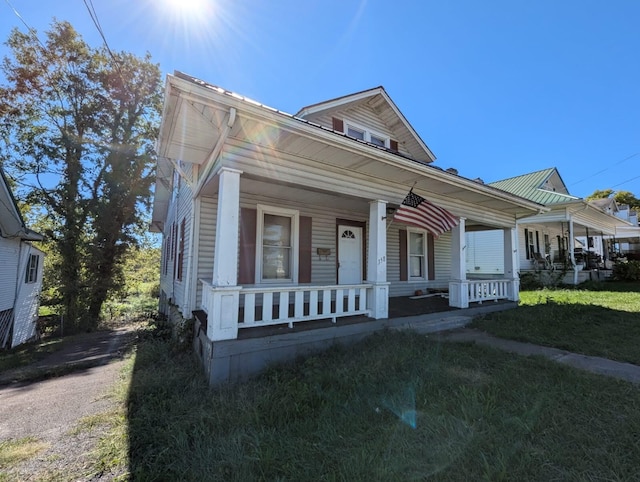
(238, 309)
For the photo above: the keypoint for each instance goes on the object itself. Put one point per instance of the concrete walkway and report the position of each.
(593, 364)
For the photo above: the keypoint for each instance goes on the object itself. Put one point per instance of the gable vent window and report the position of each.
(360, 133)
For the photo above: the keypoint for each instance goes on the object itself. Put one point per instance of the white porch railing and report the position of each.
(488, 290)
(463, 292)
(231, 308)
(266, 306)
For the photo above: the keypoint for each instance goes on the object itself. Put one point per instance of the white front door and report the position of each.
(349, 255)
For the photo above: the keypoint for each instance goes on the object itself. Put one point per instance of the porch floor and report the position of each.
(399, 307)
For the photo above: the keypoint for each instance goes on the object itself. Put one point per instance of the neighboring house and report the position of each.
(626, 242)
(556, 234)
(273, 219)
(21, 274)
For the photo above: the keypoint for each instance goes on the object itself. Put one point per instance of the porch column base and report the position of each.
(222, 313)
(514, 290)
(378, 301)
(459, 294)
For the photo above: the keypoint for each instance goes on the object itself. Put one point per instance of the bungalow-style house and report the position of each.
(559, 238)
(21, 274)
(626, 242)
(272, 219)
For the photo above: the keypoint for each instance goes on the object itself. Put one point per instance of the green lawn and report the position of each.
(603, 320)
(397, 406)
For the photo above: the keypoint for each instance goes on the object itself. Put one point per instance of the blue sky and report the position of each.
(496, 88)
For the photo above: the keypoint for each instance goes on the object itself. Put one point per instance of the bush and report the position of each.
(626, 271)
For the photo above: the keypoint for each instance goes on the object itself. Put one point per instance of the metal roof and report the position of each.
(530, 186)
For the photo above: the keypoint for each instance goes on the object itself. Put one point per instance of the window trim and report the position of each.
(295, 244)
(425, 251)
(368, 133)
(31, 275)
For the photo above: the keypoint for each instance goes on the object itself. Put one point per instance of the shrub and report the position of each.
(626, 271)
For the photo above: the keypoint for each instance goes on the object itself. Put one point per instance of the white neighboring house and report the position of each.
(561, 233)
(21, 273)
(626, 241)
(270, 218)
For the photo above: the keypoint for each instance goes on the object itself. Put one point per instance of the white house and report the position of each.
(270, 218)
(563, 236)
(21, 274)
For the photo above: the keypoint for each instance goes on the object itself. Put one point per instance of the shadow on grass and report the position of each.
(396, 406)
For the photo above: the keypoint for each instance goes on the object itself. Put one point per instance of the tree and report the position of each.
(621, 197)
(78, 125)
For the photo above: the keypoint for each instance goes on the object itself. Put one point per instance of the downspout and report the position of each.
(194, 244)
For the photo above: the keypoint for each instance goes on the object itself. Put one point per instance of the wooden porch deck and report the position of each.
(399, 307)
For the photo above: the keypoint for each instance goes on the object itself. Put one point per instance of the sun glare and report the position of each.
(190, 8)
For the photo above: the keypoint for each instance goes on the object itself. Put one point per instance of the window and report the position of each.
(180, 258)
(32, 269)
(416, 250)
(277, 244)
(531, 249)
(358, 132)
(355, 133)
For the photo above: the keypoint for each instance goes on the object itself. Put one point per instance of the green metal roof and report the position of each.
(530, 186)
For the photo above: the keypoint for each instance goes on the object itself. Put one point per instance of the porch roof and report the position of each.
(11, 223)
(585, 217)
(197, 117)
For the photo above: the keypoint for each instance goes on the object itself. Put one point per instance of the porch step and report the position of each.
(432, 324)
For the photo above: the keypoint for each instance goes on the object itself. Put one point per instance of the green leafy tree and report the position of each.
(621, 197)
(78, 125)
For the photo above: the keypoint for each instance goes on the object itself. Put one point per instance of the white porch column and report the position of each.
(512, 262)
(572, 256)
(378, 299)
(458, 286)
(222, 320)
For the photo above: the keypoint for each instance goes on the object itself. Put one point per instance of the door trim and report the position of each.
(356, 224)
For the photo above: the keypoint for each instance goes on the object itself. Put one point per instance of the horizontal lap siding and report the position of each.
(443, 258)
(361, 116)
(442, 269)
(179, 209)
(207, 241)
(9, 253)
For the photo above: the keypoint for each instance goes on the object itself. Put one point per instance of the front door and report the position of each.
(349, 255)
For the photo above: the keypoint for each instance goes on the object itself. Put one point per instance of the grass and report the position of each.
(397, 406)
(603, 320)
(27, 354)
(15, 451)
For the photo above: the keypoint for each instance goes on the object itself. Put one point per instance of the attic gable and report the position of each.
(544, 187)
(370, 116)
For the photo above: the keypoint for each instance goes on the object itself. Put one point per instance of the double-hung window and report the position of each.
(417, 248)
(277, 244)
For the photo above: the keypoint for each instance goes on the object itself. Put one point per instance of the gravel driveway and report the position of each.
(49, 410)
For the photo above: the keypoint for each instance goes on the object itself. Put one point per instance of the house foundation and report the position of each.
(231, 361)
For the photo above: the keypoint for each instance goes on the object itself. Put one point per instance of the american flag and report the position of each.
(417, 211)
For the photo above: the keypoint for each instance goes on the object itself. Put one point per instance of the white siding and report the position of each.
(443, 258)
(28, 298)
(9, 254)
(362, 116)
(207, 241)
(179, 209)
